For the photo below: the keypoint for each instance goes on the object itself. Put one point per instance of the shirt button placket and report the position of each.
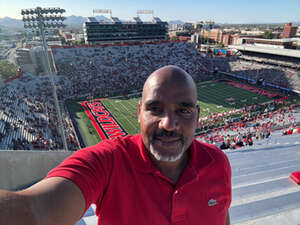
(178, 210)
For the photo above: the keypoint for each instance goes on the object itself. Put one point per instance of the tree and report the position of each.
(204, 40)
(81, 42)
(174, 38)
(221, 45)
(7, 69)
(268, 34)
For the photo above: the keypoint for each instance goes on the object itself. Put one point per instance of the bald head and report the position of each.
(169, 77)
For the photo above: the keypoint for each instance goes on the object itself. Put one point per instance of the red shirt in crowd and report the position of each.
(119, 177)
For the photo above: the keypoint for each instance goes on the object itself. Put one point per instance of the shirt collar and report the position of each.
(200, 157)
(143, 162)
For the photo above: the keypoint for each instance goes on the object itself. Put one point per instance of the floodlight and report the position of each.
(39, 21)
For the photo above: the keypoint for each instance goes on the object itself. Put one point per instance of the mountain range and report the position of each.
(79, 20)
(10, 22)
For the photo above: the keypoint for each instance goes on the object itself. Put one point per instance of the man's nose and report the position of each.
(168, 122)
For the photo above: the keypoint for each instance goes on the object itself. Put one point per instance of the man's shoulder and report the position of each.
(215, 152)
(206, 146)
(125, 143)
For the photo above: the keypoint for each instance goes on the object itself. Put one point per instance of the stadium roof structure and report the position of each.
(156, 20)
(92, 19)
(262, 192)
(137, 20)
(275, 40)
(116, 20)
(267, 50)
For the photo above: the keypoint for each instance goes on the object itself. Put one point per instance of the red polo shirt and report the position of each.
(119, 177)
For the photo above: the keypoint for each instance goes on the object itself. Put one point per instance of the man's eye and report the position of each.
(155, 110)
(185, 111)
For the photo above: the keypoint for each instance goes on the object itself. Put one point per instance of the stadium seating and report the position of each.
(27, 118)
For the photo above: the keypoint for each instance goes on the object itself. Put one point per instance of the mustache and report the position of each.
(165, 133)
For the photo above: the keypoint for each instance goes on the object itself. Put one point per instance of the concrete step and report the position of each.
(264, 190)
(289, 217)
(263, 176)
(265, 207)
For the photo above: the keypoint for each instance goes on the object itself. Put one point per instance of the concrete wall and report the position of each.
(19, 169)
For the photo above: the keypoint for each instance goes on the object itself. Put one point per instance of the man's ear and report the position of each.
(198, 115)
(198, 111)
(139, 110)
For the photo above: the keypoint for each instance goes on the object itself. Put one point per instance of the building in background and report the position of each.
(24, 60)
(67, 36)
(32, 60)
(39, 60)
(214, 36)
(289, 31)
(1, 82)
(118, 31)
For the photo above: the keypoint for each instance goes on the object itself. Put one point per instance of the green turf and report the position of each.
(86, 127)
(125, 112)
(211, 98)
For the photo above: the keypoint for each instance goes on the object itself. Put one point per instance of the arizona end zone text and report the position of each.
(104, 122)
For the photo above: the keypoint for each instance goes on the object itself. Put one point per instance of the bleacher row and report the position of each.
(262, 191)
(275, 75)
(27, 116)
(257, 127)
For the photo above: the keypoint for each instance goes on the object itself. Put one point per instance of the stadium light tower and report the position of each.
(42, 19)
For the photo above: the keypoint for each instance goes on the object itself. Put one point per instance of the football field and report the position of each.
(111, 117)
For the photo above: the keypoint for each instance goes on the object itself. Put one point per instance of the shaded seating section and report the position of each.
(27, 116)
(281, 76)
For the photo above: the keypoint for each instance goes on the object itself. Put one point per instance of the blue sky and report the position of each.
(226, 11)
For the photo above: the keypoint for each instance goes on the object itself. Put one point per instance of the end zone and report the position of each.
(104, 122)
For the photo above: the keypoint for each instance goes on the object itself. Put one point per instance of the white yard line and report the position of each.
(134, 127)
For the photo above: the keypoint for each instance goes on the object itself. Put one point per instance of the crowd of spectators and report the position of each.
(284, 77)
(100, 71)
(28, 116)
(256, 122)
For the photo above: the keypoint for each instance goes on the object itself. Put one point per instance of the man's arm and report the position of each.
(228, 218)
(53, 201)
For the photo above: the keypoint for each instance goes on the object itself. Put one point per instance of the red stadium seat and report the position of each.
(295, 177)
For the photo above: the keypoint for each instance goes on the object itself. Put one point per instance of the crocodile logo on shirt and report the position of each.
(212, 202)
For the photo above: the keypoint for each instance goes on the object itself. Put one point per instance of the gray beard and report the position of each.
(172, 158)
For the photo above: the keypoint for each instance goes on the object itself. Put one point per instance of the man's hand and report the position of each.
(52, 201)
(228, 218)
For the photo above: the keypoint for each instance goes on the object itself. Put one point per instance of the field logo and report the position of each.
(105, 123)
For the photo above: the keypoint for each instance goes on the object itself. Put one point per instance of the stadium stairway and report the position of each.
(262, 192)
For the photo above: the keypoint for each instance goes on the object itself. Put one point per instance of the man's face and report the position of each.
(168, 115)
